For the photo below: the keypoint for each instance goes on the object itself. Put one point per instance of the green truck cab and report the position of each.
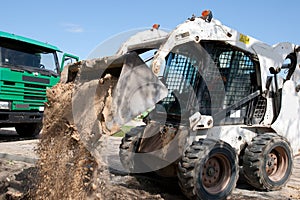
(27, 68)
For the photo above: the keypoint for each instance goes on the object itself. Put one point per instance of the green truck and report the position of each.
(27, 68)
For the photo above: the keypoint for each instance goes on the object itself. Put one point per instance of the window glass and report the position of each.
(16, 58)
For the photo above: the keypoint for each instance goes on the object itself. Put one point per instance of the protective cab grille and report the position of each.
(237, 71)
(180, 77)
(221, 77)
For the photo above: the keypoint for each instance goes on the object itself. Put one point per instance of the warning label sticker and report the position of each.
(244, 38)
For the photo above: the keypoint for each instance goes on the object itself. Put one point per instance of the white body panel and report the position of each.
(288, 124)
(149, 38)
(237, 136)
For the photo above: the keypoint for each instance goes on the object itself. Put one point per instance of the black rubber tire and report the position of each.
(208, 159)
(268, 162)
(128, 146)
(29, 129)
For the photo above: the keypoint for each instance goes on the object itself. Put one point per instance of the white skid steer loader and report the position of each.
(221, 104)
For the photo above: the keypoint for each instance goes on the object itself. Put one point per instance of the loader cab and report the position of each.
(214, 78)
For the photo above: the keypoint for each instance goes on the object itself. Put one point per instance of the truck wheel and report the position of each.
(28, 130)
(129, 146)
(267, 162)
(208, 170)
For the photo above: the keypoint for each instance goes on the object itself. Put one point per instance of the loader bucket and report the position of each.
(137, 90)
(122, 86)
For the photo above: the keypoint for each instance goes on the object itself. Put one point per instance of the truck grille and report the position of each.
(31, 95)
(34, 86)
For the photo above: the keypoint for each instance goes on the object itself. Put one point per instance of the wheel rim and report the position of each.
(216, 173)
(277, 164)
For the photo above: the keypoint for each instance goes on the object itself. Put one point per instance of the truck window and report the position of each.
(48, 61)
(34, 59)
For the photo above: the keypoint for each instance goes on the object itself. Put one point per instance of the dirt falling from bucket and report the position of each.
(67, 169)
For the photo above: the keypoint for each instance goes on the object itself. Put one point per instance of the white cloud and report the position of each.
(73, 28)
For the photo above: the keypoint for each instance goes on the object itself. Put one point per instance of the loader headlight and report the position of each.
(4, 105)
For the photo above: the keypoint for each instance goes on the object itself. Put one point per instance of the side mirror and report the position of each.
(67, 59)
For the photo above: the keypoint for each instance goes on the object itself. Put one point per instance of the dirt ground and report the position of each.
(18, 173)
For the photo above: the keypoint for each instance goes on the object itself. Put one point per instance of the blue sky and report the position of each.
(79, 26)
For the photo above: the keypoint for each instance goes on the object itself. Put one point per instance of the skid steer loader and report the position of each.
(220, 104)
(233, 105)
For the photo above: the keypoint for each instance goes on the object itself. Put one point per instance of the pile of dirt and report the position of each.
(16, 179)
(67, 168)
